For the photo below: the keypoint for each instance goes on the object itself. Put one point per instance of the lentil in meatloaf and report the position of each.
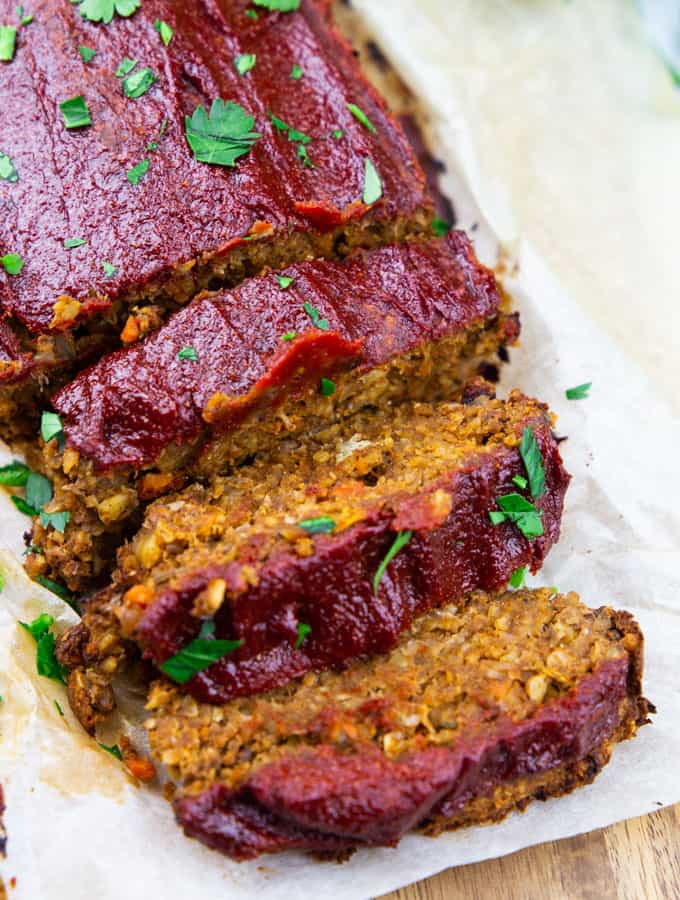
(409, 321)
(151, 243)
(296, 540)
(480, 708)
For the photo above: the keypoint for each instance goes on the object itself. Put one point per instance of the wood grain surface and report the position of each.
(635, 860)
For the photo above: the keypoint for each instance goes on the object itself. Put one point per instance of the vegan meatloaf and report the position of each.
(234, 372)
(341, 538)
(480, 708)
(170, 151)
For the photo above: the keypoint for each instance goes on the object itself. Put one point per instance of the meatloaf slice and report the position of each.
(480, 708)
(234, 372)
(120, 221)
(327, 548)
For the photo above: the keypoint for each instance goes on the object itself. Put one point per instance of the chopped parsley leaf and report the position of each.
(320, 525)
(58, 520)
(533, 462)
(12, 263)
(220, 137)
(294, 135)
(51, 426)
(188, 353)
(278, 5)
(327, 387)
(26, 19)
(137, 83)
(38, 491)
(296, 72)
(251, 13)
(289, 336)
(8, 37)
(372, 184)
(166, 32)
(114, 750)
(304, 156)
(245, 62)
(302, 632)
(72, 243)
(153, 145)
(75, 112)
(47, 663)
(58, 708)
(440, 226)
(14, 474)
(109, 269)
(198, 655)
(136, 173)
(104, 10)
(87, 53)
(520, 482)
(338, 134)
(22, 506)
(127, 65)
(361, 116)
(39, 626)
(517, 578)
(57, 589)
(520, 512)
(315, 316)
(7, 170)
(284, 281)
(580, 392)
(400, 542)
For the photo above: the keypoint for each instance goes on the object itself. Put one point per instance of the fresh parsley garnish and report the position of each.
(109, 269)
(289, 336)
(51, 426)
(302, 632)
(114, 750)
(72, 243)
(337, 133)
(580, 392)
(136, 173)
(320, 525)
(188, 353)
(222, 136)
(400, 542)
(58, 520)
(533, 462)
(517, 578)
(245, 62)
(296, 72)
(315, 316)
(14, 474)
(45, 658)
(198, 655)
(75, 112)
(152, 146)
(8, 37)
(166, 32)
(284, 281)
(520, 482)
(57, 706)
(519, 511)
(440, 226)
(294, 135)
(26, 18)
(12, 263)
(361, 116)
(327, 387)
(57, 589)
(251, 13)
(372, 184)
(104, 10)
(38, 491)
(304, 156)
(87, 53)
(138, 82)
(278, 5)
(126, 65)
(7, 170)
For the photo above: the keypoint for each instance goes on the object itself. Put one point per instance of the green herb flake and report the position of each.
(520, 482)
(520, 512)
(72, 243)
(137, 83)
(440, 226)
(25, 18)
(294, 136)
(296, 72)
(58, 708)
(12, 263)
(75, 112)
(166, 32)
(153, 145)
(251, 13)
(361, 116)
(8, 37)
(517, 578)
(104, 10)
(14, 474)
(302, 632)
(58, 520)
(47, 664)
(7, 170)
(87, 53)
(127, 65)
(109, 269)
(23, 507)
(315, 316)
(245, 62)
(198, 655)
(114, 750)
(400, 542)
(304, 156)
(57, 589)
(39, 626)
(327, 387)
(284, 281)
(533, 462)
(51, 426)
(373, 189)
(289, 336)
(580, 392)
(338, 134)
(278, 5)
(136, 173)
(38, 491)
(222, 136)
(188, 353)
(320, 525)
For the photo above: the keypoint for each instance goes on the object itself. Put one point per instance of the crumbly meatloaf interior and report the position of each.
(455, 676)
(104, 505)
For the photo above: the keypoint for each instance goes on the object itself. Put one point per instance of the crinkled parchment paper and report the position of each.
(79, 829)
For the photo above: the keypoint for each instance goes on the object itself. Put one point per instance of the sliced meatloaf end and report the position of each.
(235, 372)
(342, 539)
(118, 222)
(480, 708)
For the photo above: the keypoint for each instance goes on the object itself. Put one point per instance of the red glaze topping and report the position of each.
(73, 183)
(332, 590)
(321, 799)
(126, 409)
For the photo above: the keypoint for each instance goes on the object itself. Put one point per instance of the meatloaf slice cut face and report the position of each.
(481, 707)
(236, 371)
(149, 169)
(330, 546)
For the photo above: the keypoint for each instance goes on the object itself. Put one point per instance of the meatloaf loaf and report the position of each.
(170, 151)
(326, 549)
(235, 371)
(480, 708)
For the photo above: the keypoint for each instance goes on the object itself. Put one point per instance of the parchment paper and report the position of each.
(79, 829)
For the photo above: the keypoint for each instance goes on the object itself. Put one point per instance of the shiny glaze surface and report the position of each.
(322, 799)
(332, 591)
(378, 305)
(73, 183)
